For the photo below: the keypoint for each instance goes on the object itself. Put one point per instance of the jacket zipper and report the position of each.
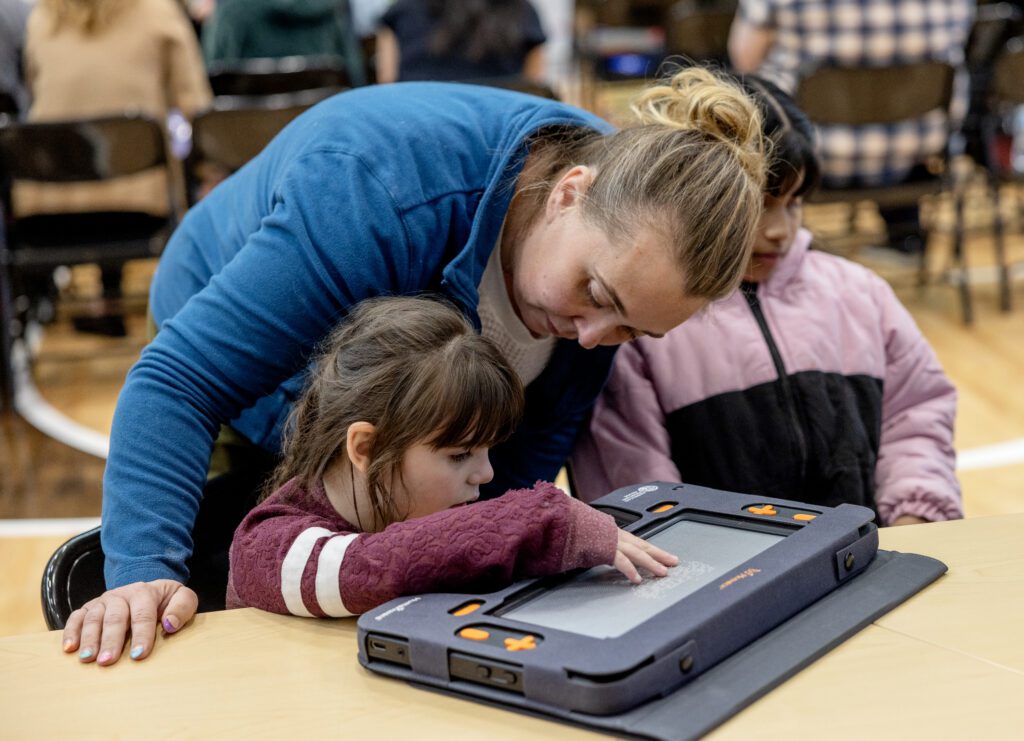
(750, 294)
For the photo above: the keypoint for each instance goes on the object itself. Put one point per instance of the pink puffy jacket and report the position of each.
(815, 385)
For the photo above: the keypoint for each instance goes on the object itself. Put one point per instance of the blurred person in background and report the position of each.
(780, 39)
(90, 58)
(13, 18)
(451, 41)
(247, 29)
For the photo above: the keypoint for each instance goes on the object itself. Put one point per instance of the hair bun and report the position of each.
(697, 99)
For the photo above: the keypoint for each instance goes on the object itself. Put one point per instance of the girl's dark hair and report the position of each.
(478, 28)
(791, 137)
(414, 368)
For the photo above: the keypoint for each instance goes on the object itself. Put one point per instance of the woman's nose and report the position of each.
(594, 331)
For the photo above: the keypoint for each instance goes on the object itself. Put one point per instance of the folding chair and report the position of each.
(275, 75)
(888, 95)
(235, 129)
(1005, 93)
(87, 150)
(698, 30)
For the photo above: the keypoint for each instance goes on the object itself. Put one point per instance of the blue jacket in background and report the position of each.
(395, 189)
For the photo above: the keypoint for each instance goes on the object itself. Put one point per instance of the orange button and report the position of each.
(467, 609)
(521, 644)
(474, 634)
(664, 507)
(767, 510)
(802, 517)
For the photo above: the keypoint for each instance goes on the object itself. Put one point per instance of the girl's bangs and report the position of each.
(474, 409)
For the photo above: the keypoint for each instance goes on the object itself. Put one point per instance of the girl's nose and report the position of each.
(483, 472)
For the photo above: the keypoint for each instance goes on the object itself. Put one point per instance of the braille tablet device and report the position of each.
(590, 641)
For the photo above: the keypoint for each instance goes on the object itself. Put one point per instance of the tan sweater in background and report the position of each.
(146, 60)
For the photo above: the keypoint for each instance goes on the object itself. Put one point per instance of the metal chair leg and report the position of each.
(1000, 247)
(960, 258)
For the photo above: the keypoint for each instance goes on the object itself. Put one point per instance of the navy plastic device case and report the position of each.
(507, 647)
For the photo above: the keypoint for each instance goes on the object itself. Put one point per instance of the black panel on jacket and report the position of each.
(744, 440)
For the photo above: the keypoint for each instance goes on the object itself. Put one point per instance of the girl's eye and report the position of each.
(591, 297)
(461, 457)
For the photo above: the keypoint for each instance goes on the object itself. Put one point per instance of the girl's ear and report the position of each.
(569, 189)
(359, 443)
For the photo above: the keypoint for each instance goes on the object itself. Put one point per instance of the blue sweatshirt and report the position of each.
(395, 189)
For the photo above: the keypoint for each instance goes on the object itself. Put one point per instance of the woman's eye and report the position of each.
(591, 297)
(461, 457)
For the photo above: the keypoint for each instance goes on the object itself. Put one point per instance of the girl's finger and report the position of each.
(626, 567)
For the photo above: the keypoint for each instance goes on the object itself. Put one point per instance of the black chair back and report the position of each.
(236, 129)
(272, 76)
(889, 95)
(699, 31)
(82, 150)
(74, 573)
(881, 95)
(1008, 76)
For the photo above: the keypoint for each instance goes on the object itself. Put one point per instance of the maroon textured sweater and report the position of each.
(293, 554)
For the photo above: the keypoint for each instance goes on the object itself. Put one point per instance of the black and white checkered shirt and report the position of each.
(865, 33)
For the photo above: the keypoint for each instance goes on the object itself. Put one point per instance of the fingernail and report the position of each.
(170, 623)
(136, 652)
(85, 653)
(105, 657)
(68, 644)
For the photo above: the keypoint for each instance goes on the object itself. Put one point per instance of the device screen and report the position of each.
(602, 603)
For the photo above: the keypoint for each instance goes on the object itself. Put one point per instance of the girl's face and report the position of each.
(775, 232)
(567, 279)
(437, 479)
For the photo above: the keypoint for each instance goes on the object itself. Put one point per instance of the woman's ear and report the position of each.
(569, 189)
(359, 443)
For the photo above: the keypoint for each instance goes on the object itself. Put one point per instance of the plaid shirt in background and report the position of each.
(865, 33)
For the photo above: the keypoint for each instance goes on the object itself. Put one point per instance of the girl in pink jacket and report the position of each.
(386, 451)
(812, 382)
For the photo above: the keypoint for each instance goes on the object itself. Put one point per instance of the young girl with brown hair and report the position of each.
(386, 445)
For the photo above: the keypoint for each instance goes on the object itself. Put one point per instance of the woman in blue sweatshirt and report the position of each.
(557, 236)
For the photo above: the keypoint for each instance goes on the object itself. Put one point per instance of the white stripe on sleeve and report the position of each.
(328, 575)
(294, 564)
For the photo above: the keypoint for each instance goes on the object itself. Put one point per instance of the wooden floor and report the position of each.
(81, 375)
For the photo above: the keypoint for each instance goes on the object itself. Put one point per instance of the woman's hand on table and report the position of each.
(98, 630)
(633, 553)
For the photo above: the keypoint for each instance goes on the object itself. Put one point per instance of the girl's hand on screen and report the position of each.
(633, 553)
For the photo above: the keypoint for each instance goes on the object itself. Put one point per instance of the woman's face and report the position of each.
(775, 232)
(567, 279)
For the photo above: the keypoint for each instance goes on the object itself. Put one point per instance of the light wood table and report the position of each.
(947, 664)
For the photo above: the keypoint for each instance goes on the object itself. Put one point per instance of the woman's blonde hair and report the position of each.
(414, 368)
(85, 16)
(692, 168)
